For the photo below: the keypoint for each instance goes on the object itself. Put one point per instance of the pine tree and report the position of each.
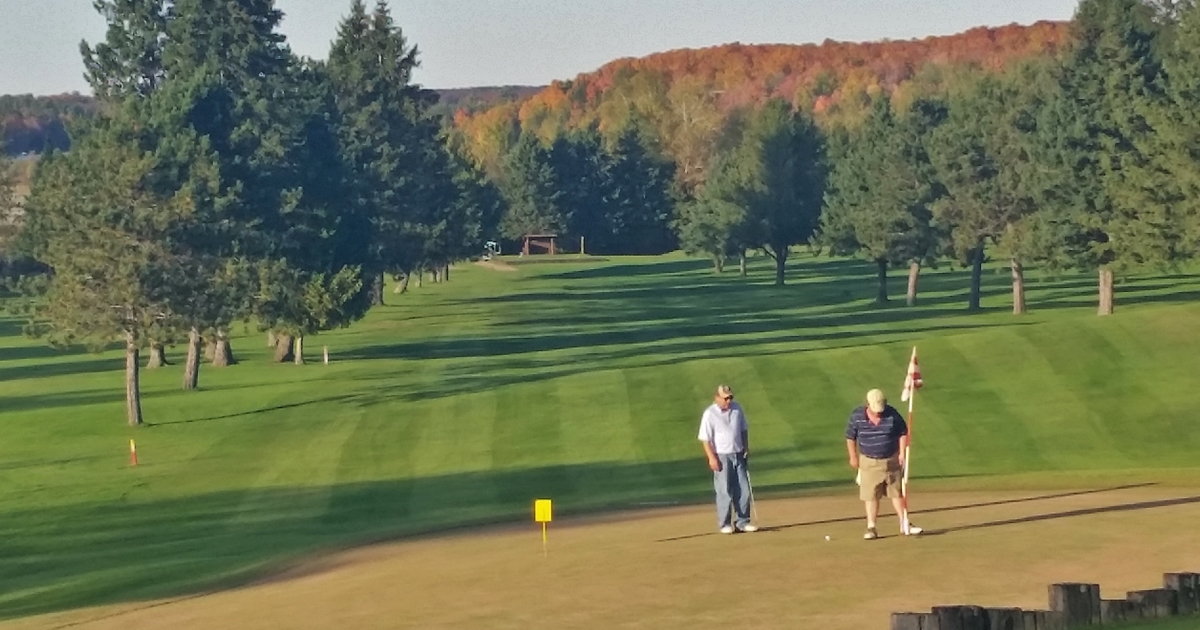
(777, 175)
(114, 244)
(880, 190)
(128, 63)
(982, 154)
(639, 202)
(534, 201)
(1110, 203)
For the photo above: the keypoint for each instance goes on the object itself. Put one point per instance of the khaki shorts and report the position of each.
(880, 478)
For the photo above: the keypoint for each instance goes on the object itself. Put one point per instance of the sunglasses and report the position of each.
(727, 398)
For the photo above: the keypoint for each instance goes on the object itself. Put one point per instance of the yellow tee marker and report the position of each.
(543, 513)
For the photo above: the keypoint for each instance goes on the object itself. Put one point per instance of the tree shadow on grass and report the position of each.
(61, 557)
(64, 368)
(515, 363)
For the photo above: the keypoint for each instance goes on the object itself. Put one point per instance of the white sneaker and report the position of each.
(728, 529)
(749, 527)
(913, 530)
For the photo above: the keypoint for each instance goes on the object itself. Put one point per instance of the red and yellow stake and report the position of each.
(132, 453)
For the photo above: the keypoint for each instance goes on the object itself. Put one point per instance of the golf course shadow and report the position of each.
(1107, 509)
(967, 506)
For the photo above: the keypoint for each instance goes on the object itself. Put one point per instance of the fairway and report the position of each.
(461, 402)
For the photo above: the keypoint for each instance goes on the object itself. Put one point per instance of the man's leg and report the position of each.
(898, 504)
(872, 512)
(721, 484)
(741, 497)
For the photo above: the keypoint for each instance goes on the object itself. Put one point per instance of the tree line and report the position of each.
(225, 179)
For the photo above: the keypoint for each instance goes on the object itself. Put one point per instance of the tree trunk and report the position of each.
(718, 264)
(210, 349)
(881, 295)
(780, 265)
(742, 264)
(191, 369)
(402, 285)
(914, 272)
(133, 392)
(446, 273)
(420, 278)
(976, 278)
(222, 352)
(1018, 280)
(270, 338)
(377, 290)
(1106, 291)
(157, 357)
(283, 349)
(299, 353)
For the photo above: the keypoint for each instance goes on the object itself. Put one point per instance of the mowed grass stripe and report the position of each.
(803, 397)
(1093, 377)
(599, 438)
(527, 445)
(666, 419)
(455, 452)
(993, 416)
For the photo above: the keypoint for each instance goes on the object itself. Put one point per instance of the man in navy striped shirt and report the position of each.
(876, 437)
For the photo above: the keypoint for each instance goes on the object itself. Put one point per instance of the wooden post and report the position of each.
(581, 250)
(1106, 291)
(325, 354)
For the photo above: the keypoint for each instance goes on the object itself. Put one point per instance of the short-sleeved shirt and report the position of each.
(724, 428)
(877, 441)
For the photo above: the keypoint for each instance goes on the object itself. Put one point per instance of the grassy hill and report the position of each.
(461, 402)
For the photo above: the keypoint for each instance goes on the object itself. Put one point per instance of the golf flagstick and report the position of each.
(907, 460)
(912, 382)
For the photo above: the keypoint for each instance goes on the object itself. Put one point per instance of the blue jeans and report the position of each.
(733, 489)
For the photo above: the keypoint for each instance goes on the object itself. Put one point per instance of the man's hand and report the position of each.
(854, 461)
(901, 458)
(714, 464)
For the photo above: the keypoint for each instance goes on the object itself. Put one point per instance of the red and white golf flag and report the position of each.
(912, 380)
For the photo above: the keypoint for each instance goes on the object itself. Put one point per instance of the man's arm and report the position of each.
(745, 443)
(903, 448)
(713, 463)
(852, 451)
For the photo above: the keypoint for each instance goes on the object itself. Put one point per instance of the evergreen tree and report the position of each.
(269, 121)
(534, 201)
(1110, 202)
(640, 207)
(983, 158)
(399, 174)
(114, 242)
(128, 63)
(710, 227)
(880, 191)
(777, 175)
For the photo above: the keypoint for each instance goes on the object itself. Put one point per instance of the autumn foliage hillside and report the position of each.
(684, 93)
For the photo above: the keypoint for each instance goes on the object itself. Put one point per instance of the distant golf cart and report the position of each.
(491, 249)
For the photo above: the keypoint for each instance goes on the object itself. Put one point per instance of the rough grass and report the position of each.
(461, 402)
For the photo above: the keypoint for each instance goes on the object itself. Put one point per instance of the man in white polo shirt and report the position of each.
(725, 436)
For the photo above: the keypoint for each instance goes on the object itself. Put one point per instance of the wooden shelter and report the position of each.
(541, 243)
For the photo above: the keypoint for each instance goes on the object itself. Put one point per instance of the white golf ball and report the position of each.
(827, 538)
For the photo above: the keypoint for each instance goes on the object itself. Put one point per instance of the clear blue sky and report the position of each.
(528, 42)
